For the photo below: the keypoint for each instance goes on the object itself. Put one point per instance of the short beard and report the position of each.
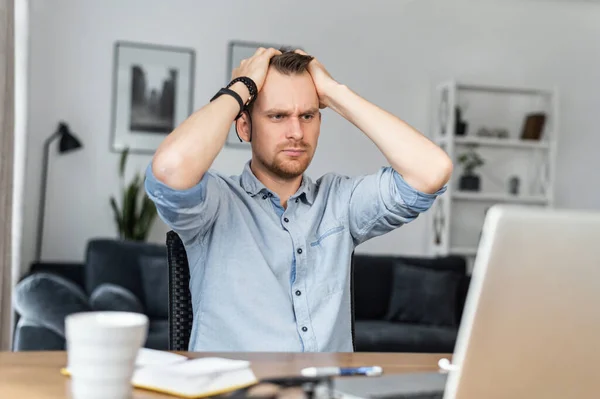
(287, 170)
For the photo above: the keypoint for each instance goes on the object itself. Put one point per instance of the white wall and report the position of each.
(392, 53)
(20, 144)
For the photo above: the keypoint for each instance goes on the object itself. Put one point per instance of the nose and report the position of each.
(294, 130)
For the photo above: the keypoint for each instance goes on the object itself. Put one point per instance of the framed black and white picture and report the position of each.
(152, 93)
(238, 51)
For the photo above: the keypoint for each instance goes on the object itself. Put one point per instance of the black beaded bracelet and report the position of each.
(252, 89)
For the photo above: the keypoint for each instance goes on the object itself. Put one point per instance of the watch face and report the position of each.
(444, 110)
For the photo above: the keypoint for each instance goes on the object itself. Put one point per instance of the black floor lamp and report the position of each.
(68, 142)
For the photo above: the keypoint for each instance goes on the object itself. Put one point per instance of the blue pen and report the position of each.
(369, 371)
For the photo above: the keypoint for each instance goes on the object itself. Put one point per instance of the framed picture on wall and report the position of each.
(238, 51)
(153, 89)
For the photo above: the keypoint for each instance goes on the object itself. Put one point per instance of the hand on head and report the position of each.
(321, 78)
(256, 67)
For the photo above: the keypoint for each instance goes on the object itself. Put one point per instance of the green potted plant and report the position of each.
(470, 181)
(136, 213)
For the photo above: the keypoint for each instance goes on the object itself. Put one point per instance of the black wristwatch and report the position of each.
(251, 89)
(233, 94)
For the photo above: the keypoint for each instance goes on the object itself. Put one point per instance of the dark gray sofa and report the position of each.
(42, 299)
(408, 304)
(402, 304)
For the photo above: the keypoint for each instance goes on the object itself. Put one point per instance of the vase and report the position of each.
(460, 126)
(469, 182)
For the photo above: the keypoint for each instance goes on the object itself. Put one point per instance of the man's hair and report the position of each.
(288, 63)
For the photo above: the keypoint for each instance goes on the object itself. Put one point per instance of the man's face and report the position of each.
(286, 123)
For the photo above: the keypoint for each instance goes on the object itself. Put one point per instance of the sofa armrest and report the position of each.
(30, 336)
(71, 271)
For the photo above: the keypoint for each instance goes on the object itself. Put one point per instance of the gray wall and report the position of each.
(391, 53)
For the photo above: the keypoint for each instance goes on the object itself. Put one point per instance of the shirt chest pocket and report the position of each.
(326, 234)
(326, 245)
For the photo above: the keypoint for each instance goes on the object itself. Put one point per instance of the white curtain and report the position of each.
(7, 104)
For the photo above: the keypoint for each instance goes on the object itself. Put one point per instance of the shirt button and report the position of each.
(304, 329)
(264, 197)
(299, 250)
(297, 200)
(270, 195)
(286, 220)
(298, 292)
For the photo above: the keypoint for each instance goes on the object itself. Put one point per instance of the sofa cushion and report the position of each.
(155, 279)
(46, 299)
(158, 335)
(117, 262)
(424, 296)
(454, 263)
(384, 336)
(373, 276)
(372, 286)
(114, 298)
(30, 336)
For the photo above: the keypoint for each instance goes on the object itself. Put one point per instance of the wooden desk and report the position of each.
(33, 375)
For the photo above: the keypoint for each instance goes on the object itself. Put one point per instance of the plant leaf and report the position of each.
(117, 215)
(123, 162)
(129, 206)
(147, 215)
(138, 211)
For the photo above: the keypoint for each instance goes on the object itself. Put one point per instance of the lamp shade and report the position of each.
(68, 142)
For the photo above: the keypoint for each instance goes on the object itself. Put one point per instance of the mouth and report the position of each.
(294, 152)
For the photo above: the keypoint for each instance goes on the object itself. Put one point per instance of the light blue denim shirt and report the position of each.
(265, 278)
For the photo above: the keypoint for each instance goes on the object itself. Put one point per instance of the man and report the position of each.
(270, 250)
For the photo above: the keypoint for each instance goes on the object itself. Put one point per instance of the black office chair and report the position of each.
(180, 299)
(352, 300)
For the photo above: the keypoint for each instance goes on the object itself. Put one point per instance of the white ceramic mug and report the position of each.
(102, 348)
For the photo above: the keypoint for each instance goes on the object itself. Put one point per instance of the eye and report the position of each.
(276, 117)
(308, 117)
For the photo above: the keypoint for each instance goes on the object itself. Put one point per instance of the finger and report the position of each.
(271, 52)
(259, 51)
(298, 51)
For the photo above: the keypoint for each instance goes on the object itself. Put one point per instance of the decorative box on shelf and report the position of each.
(502, 141)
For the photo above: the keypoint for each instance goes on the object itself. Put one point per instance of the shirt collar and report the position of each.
(253, 186)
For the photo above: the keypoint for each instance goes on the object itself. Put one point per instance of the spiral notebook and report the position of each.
(176, 375)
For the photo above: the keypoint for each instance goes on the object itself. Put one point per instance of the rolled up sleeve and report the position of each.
(384, 201)
(187, 212)
(414, 199)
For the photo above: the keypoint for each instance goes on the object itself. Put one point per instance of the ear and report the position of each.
(243, 127)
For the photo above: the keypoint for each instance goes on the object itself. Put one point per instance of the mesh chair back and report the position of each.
(352, 299)
(180, 299)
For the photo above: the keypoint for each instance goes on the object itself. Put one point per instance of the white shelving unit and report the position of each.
(457, 216)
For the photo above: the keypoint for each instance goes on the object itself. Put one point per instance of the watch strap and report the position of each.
(233, 94)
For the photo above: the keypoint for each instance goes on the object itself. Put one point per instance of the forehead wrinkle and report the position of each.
(296, 109)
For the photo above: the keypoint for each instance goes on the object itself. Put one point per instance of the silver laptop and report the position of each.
(531, 324)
